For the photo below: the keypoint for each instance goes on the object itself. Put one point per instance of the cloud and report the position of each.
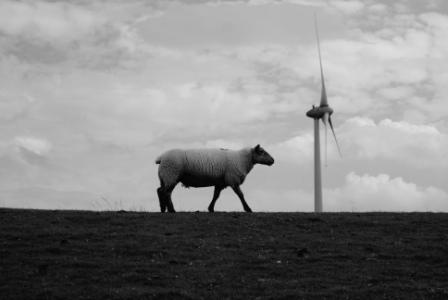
(37, 146)
(14, 107)
(367, 71)
(30, 151)
(227, 144)
(87, 35)
(397, 93)
(383, 193)
(347, 7)
(188, 111)
(341, 6)
(48, 21)
(214, 101)
(378, 8)
(422, 146)
(298, 149)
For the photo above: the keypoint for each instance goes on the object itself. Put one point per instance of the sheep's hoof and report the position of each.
(248, 210)
(211, 210)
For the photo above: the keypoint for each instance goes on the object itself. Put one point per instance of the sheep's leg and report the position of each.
(238, 191)
(162, 200)
(164, 194)
(218, 189)
(168, 201)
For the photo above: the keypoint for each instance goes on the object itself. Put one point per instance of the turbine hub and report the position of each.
(319, 112)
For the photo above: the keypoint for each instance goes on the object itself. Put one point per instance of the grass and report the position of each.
(130, 255)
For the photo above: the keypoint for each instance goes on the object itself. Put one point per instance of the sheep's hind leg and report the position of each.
(218, 189)
(162, 200)
(168, 201)
(238, 191)
(164, 194)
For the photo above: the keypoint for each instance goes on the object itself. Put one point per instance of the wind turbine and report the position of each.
(324, 112)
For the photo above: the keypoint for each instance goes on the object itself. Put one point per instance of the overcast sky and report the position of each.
(91, 92)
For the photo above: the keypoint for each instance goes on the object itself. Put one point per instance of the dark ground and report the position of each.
(130, 255)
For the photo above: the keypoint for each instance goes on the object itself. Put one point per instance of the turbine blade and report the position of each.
(323, 97)
(336, 140)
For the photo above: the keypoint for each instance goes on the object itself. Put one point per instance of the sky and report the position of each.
(91, 92)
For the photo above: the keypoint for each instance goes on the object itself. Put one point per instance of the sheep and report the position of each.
(207, 167)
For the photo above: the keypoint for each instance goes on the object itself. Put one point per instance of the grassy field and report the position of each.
(130, 255)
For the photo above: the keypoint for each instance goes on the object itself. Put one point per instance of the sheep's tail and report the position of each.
(158, 160)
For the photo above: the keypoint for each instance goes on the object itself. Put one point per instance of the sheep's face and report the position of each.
(260, 156)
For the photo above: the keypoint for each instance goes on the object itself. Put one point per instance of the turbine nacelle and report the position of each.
(319, 112)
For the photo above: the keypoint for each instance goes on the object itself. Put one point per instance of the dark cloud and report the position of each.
(35, 51)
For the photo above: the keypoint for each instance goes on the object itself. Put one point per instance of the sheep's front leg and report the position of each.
(216, 193)
(238, 191)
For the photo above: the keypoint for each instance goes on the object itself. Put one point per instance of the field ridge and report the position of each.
(55, 254)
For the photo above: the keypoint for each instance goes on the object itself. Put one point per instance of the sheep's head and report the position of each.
(260, 156)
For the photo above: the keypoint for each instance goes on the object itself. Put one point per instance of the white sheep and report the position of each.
(207, 167)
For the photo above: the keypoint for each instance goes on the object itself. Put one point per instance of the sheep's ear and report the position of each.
(257, 148)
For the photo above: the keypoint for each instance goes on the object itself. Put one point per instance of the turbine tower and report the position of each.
(324, 112)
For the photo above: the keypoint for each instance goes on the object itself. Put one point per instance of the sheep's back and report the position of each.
(205, 162)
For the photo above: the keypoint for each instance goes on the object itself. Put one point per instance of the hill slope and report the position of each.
(129, 255)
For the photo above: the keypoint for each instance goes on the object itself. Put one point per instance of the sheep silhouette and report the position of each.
(207, 167)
